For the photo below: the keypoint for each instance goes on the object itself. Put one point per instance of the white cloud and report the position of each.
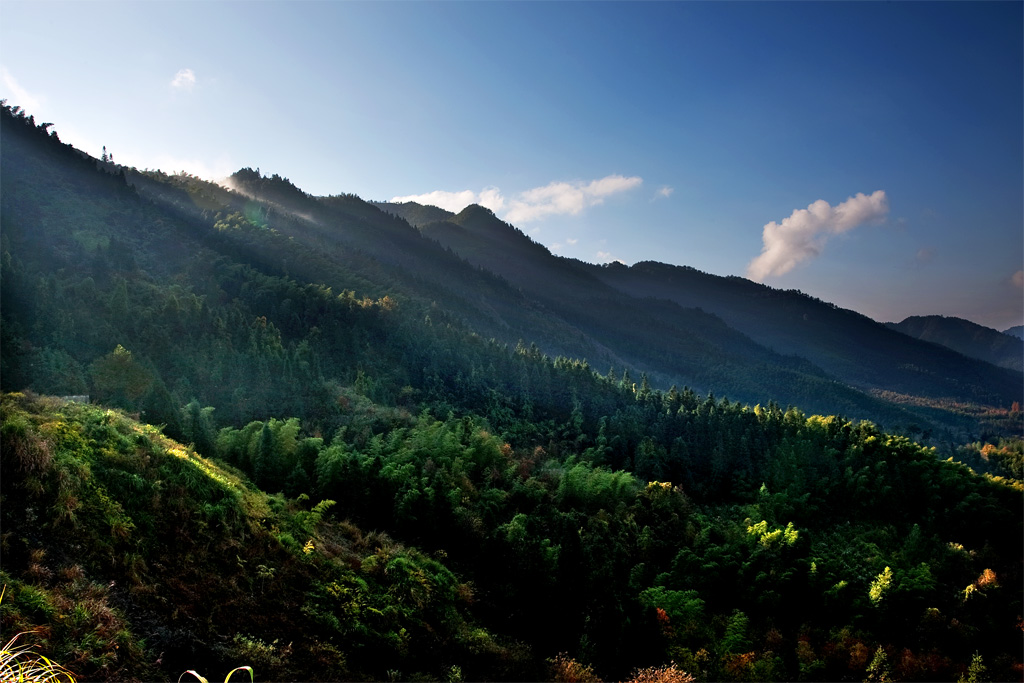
(19, 97)
(606, 257)
(925, 255)
(664, 192)
(185, 79)
(803, 234)
(1018, 279)
(571, 241)
(561, 198)
(557, 198)
(457, 201)
(491, 198)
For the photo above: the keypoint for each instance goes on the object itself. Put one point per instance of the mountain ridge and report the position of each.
(844, 343)
(1016, 331)
(499, 283)
(848, 344)
(966, 337)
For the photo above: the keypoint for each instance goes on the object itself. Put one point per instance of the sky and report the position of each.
(870, 154)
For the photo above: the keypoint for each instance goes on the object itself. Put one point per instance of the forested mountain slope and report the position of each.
(479, 272)
(671, 344)
(851, 346)
(417, 215)
(860, 352)
(500, 512)
(963, 336)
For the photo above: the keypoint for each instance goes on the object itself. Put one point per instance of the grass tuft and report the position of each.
(20, 664)
(227, 678)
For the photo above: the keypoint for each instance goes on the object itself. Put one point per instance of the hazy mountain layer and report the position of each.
(1017, 331)
(970, 339)
(146, 233)
(846, 344)
(843, 344)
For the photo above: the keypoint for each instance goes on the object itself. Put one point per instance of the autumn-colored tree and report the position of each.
(565, 669)
(669, 673)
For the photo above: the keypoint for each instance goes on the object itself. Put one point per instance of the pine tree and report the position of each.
(626, 382)
(263, 457)
(735, 639)
(878, 670)
(644, 392)
(976, 672)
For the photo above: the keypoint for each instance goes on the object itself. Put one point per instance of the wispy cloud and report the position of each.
(19, 97)
(491, 198)
(925, 255)
(803, 234)
(185, 79)
(1018, 279)
(557, 198)
(607, 257)
(664, 192)
(566, 198)
(558, 246)
(456, 201)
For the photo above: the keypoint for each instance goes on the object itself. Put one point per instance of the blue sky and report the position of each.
(870, 154)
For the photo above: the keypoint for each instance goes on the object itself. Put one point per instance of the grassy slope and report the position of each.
(137, 558)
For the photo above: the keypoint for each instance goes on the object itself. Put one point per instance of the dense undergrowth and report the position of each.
(431, 546)
(133, 556)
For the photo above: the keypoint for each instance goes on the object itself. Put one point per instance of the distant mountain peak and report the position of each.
(274, 187)
(948, 320)
(476, 209)
(966, 337)
(415, 214)
(480, 217)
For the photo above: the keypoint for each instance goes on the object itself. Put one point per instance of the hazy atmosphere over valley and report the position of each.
(869, 154)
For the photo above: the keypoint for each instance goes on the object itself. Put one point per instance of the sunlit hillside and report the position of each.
(247, 426)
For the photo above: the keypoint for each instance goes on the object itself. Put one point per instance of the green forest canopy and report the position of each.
(346, 482)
